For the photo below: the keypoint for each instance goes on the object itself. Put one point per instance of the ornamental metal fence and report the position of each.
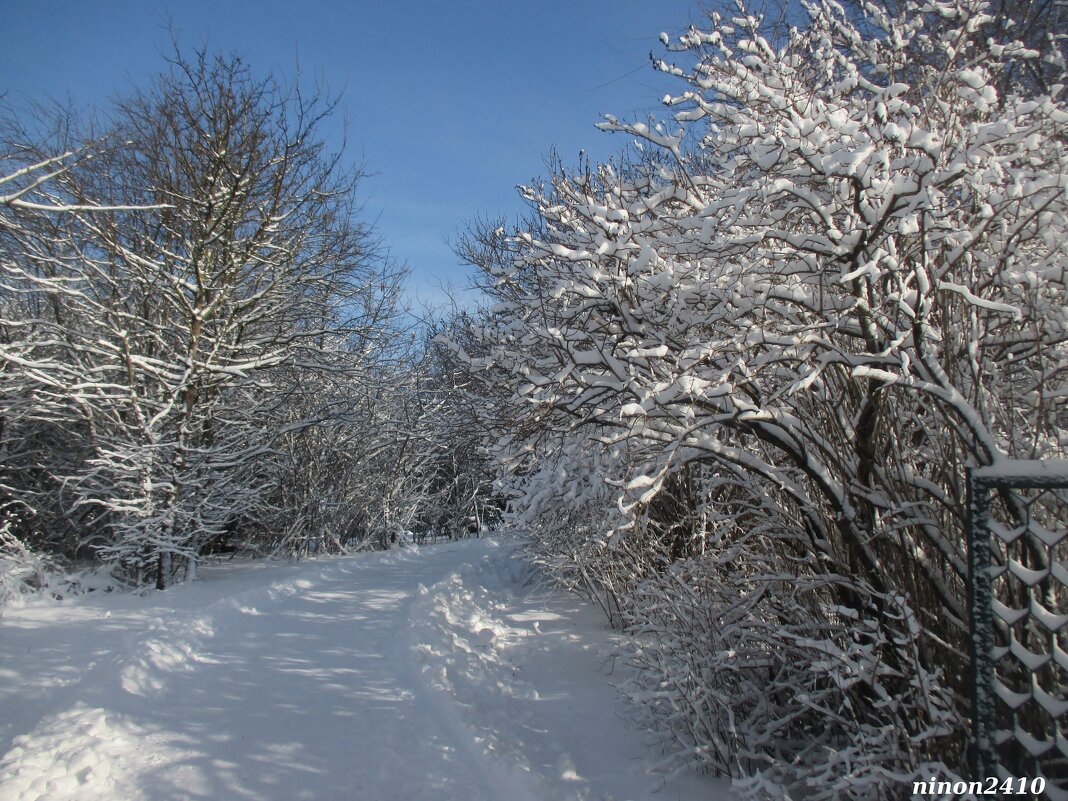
(1018, 596)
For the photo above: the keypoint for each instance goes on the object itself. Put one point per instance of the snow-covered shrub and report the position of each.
(838, 278)
(22, 571)
(751, 665)
(566, 507)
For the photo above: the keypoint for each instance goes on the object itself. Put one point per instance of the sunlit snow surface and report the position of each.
(440, 673)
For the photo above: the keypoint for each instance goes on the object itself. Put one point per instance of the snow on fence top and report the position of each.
(1018, 472)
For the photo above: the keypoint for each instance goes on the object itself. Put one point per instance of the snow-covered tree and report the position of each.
(464, 500)
(834, 282)
(165, 332)
(38, 439)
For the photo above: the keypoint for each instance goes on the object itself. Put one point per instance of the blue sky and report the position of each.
(450, 105)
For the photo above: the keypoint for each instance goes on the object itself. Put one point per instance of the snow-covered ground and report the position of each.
(438, 673)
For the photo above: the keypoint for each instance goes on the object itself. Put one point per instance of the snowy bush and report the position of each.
(567, 512)
(752, 668)
(22, 571)
(834, 282)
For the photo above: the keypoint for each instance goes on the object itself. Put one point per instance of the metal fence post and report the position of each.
(980, 596)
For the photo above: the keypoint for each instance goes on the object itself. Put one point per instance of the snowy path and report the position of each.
(430, 674)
